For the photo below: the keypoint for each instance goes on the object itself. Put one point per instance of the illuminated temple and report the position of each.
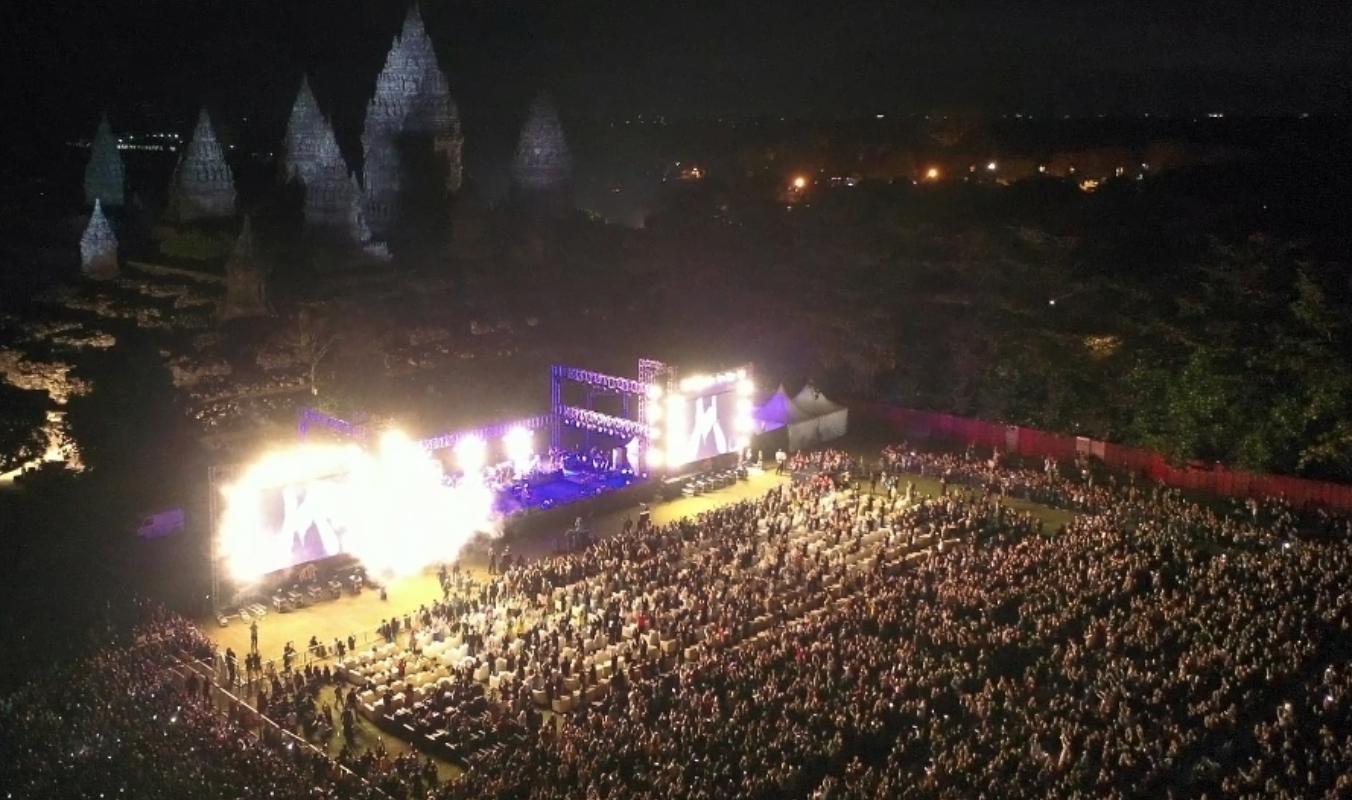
(98, 246)
(312, 158)
(203, 186)
(412, 107)
(245, 279)
(542, 164)
(105, 177)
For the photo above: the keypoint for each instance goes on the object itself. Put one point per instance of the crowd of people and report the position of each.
(845, 636)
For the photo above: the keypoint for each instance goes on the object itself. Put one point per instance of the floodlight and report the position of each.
(470, 452)
(654, 392)
(393, 440)
(655, 458)
(520, 445)
(746, 388)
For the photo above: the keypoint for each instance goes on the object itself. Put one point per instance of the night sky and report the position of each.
(688, 57)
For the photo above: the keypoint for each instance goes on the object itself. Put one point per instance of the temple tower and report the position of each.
(105, 177)
(98, 246)
(203, 186)
(542, 166)
(312, 157)
(246, 285)
(412, 107)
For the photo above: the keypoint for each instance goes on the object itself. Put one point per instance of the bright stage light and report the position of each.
(746, 388)
(470, 453)
(393, 440)
(675, 429)
(520, 446)
(393, 512)
(655, 412)
(745, 421)
(655, 459)
(654, 392)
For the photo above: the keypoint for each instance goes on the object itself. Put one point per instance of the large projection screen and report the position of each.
(703, 427)
(302, 522)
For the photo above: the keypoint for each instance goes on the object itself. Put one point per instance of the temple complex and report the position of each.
(105, 177)
(542, 164)
(246, 285)
(412, 105)
(311, 156)
(98, 246)
(203, 186)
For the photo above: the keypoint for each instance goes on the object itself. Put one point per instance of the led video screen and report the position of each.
(303, 522)
(707, 428)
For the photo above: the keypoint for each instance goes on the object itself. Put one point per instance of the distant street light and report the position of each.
(800, 182)
(932, 174)
(991, 166)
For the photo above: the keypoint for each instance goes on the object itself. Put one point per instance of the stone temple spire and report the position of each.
(412, 99)
(313, 158)
(105, 177)
(98, 246)
(542, 163)
(246, 286)
(203, 186)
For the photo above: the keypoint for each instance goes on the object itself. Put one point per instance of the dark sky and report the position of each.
(681, 57)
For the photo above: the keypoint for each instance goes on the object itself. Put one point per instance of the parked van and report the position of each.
(162, 524)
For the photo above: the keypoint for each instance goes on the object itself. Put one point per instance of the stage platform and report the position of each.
(562, 490)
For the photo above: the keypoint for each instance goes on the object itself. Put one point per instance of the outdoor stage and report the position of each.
(561, 490)
(360, 615)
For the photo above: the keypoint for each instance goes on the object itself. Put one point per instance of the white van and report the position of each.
(162, 524)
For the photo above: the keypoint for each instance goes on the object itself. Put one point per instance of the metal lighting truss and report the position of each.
(486, 434)
(309, 416)
(603, 423)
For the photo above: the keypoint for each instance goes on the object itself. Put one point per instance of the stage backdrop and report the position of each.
(303, 521)
(707, 428)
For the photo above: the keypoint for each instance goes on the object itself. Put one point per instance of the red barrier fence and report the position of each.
(1040, 444)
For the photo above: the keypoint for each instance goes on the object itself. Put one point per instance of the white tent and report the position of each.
(779, 412)
(774, 413)
(832, 420)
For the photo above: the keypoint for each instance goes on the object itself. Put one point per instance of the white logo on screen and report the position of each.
(303, 510)
(706, 425)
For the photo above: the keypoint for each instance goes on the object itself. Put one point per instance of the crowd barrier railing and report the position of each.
(1029, 442)
(241, 709)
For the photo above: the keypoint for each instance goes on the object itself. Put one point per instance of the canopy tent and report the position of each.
(774, 413)
(780, 413)
(832, 420)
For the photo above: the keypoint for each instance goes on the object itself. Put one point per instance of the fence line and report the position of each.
(1032, 443)
(254, 723)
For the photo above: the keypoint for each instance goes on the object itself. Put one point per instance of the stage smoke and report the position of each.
(392, 511)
